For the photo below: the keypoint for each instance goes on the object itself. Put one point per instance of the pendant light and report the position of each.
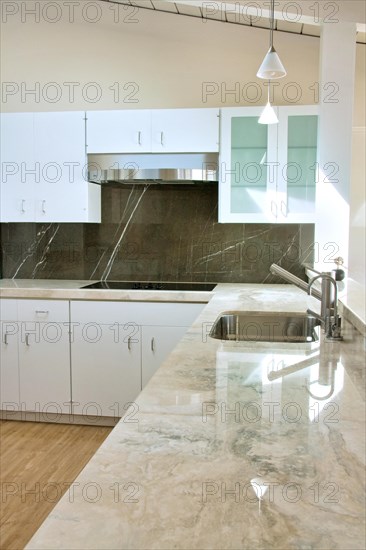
(271, 67)
(268, 115)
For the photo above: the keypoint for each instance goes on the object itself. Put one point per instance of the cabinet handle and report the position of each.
(44, 207)
(129, 344)
(5, 340)
(162, 138)
(284, 209)
(42, 312)
(23, 205)
(27, 340)
(139, 138)
(153, 344)
(274, 208)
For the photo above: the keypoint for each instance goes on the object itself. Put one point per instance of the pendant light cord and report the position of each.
(271, 24)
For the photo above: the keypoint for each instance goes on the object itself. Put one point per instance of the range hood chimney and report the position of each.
(114, 169)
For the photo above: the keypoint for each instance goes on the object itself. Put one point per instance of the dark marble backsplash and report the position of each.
(154, 233)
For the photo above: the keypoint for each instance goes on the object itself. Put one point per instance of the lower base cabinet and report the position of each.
(44, 372)
(116, 348)
(84, 358)
(106, 371)
(35, 357)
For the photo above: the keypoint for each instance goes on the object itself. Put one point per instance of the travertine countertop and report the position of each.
(230, 446)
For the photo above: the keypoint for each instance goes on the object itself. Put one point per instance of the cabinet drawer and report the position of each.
(8, 310)
(140, 313)
(43, 311)
(104, 313)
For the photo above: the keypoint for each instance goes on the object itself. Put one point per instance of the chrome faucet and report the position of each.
(331, 322)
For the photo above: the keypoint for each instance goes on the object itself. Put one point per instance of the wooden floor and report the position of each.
(37, 463)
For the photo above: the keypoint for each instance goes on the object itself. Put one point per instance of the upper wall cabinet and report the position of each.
(185, 131)
(43, 163)
(118, 131)
(153, 131)
(268, 172)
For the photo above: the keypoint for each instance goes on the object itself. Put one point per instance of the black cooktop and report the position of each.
(130, 285)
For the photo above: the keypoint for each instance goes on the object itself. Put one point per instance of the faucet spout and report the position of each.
(329, 305)
(328, 297)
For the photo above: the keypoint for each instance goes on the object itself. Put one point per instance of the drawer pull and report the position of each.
(23, 205)
(153, 344)
(27, 340)
(42, 312)
(44, 206)
(129, 344)
(5, 340)
(139, 138)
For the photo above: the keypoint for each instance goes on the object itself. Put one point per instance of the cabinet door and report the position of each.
(62, 193)
(157, 344)
(44, 367)
(18, 168)
(185, 130)
(297, 156)
(106, 368)
(248, 156)
(44, 355)
(9, 366)
(119, 131)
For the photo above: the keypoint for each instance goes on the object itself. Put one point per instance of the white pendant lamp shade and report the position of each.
(271, 67)
(268, 115)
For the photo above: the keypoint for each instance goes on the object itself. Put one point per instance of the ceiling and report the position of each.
(252, 15)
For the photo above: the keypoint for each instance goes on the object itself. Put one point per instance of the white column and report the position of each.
(336, 98)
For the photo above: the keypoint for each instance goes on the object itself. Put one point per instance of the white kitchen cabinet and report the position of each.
(157, 343)
(17, 163)
(118, 131)
(49, 184)
(105, 359)
(9, 364)
(63, 194)
(185, 130)
(164, 325)
(35, 356)
(44, 356)
(116, 348)
(267, 172)
(153, 131)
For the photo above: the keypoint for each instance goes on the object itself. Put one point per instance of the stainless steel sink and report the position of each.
(242, 326)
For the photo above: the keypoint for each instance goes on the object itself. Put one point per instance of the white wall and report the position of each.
(357, 229)
(168, 56)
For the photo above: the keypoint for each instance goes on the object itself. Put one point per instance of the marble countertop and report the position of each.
(230, 445)
(351, 295)
(53, 289)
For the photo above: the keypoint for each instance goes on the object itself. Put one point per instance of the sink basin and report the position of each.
(243, 326)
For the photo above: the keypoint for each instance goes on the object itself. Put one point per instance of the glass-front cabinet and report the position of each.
(268, 172)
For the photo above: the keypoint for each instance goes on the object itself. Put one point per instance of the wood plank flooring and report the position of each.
(37, 463)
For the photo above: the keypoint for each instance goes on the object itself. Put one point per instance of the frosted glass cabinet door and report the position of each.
(247, 175)
(297, 156)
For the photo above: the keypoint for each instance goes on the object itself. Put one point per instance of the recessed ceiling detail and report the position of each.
(226, 15)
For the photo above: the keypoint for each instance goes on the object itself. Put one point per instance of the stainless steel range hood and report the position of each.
(112, 169)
